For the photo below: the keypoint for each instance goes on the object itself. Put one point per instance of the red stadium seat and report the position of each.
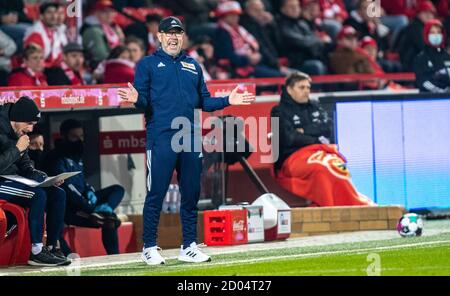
(87, 242)
(15, 248)
(3, 223)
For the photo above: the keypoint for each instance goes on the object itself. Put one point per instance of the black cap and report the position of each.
(71, 47)
(24, 110)
(169, 23)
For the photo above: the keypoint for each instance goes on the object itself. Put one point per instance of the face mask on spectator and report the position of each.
(75, 148)
(36, 157)
(435, 39)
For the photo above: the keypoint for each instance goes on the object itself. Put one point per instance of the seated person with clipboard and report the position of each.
(16, 121)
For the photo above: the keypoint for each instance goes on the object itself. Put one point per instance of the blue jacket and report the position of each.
(57, 162)
(171, 87)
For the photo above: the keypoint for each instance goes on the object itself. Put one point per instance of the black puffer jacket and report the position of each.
(292, 116)
(12, 162)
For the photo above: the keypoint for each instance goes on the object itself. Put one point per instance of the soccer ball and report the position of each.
(410, 225)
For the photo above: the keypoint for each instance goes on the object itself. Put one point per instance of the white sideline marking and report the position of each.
(270, 258)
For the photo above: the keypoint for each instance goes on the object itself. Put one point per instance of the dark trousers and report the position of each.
(50, 200)
(111, 195)
(161, 162)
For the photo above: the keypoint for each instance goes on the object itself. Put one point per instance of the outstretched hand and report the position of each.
(245, 98)
(129, 94)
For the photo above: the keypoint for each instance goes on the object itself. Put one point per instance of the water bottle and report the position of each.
(166, 201)
(173, 198)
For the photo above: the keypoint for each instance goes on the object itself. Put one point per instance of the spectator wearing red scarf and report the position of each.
(236, 44)
(71, 70)
(30, 73)
(100, 34)
(44, 33)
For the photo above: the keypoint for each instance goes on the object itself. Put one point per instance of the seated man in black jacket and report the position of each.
(308, 165)
(432, 65)
(16, 121)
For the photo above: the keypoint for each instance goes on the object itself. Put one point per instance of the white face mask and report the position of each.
(435, 39)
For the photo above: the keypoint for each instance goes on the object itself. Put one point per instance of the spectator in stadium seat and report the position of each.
(119, 67)
(71, 70)
(31, 71)
(368, 25)
(236, 44)
(136, 48)
(44, 33)
(7, 49)
(100, 34)
(85, 207)
(13, 20)
(202, 51)
(146, 32)
(301, 45)
(432, 65)
(349, 58)
(410, 41)
(334, 14)
(308, 164)
(16, 121)
(194, 12)
(311, 15)
(260, 23)
(370, 46)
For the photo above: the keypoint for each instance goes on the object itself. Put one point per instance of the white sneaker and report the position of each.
(193, 254)
(151, 256)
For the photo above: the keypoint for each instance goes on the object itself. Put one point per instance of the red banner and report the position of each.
(222, 90)
(122, 142)
(91, 96)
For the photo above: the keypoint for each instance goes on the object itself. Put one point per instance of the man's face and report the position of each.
(312, 10)
(364, 9)
(75, 135)
(171, 41)
(106, 16)
(136, 53)
(232, 19)
(35, 61)
(255, 9)
(371, 51)
(37, 143)
(22, 128)
(349, 41)
(74, 60)
(425, 16)
(291, 8)
(61, 15)
(153, 27)
(50, 17)
(300, 91)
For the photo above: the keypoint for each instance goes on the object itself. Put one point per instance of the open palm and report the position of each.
(129, 94)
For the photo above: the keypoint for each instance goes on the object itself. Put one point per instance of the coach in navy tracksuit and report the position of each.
(170, 84)
(16, 121)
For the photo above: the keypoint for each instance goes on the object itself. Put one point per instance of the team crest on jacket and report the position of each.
(188, 65)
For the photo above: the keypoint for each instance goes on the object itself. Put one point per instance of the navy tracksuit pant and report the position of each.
(161, 162)
(111, 195)
(50, 200)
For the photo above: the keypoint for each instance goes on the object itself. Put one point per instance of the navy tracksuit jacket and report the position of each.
(168, 88)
